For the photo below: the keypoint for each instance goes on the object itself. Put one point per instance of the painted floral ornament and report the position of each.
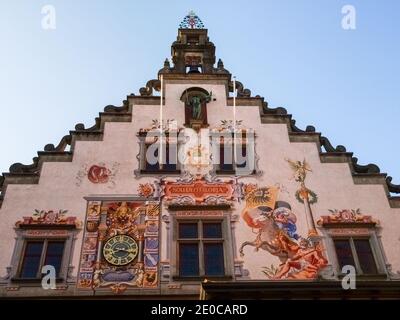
(146, 190)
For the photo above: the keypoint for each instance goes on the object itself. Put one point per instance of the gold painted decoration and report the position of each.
(146, 190)
(120, 246)
(304, 195)
(120, 250)
(258, 201)
(198, 157)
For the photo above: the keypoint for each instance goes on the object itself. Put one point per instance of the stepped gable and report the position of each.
(193, 38)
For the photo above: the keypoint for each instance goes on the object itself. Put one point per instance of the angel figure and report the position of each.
(300, 169)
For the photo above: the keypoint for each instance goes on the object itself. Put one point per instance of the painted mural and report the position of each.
(49, 218)
(146, 190)
(99, 173)
(169, 125)
(274, 224)
(349, 216)
(121, 246)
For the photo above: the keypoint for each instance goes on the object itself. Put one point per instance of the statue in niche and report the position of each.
(196, 108)
(195, 103)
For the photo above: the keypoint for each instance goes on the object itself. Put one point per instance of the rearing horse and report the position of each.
(272, 239)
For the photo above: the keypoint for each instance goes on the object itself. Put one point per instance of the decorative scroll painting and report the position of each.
(192, 190)
(197, 159)
(121, 246)
(49, 218)
(197, 191)
(168, 126)
(346, 216)
(274, 225)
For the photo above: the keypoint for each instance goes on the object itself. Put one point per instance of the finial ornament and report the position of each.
(191, 21)
(166, 63)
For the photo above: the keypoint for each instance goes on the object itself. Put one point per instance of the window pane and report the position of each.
(241, 153)
(188, 230)
(214, 259)
(365, 256)
(149, 166)
(54, 255)
(171, 157)
(343, 252)
(212, 230)
(31, 261)
(188, 259)
(226, 156)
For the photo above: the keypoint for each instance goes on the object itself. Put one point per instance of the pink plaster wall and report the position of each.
(332, 182)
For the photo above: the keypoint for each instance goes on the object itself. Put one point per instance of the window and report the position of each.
(356, 252)
(200, 249)
(149, 165)
(242, 156)
(171, 157)
(235, 158)
(150, 162)
(38, 253)
(194, 69)
(225, 155)
(47, 240)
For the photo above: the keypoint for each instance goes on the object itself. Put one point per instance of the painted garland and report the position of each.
(313, 198)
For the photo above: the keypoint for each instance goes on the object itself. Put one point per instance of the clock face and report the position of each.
(120, 250)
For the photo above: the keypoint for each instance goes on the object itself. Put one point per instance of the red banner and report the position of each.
(199, 190)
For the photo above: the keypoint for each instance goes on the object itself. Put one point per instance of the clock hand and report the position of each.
(125, 250)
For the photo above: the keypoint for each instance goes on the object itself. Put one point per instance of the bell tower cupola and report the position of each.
(192, 52)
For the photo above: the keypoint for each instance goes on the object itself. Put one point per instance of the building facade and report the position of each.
(194, 188)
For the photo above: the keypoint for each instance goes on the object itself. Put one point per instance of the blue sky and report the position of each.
(294, 53)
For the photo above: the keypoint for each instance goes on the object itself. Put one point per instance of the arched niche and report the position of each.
(195, 100)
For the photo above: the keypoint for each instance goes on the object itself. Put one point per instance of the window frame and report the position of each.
(218, 139)
(43, 255)
(340, 231)
(40, 233)
(358, 267)
(225, 240)
(141, 156)
(200, 241)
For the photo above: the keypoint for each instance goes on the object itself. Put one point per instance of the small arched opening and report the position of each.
(195, 100)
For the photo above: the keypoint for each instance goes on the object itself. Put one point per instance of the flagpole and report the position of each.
(160, 155)
(234, 120)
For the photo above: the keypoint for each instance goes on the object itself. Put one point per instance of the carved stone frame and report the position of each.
(215, 151)
(228, 245)
(366, 231)
(142, 163)
(66, 233)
